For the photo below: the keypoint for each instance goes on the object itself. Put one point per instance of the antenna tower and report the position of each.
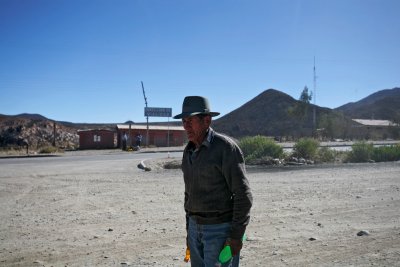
(315, 100)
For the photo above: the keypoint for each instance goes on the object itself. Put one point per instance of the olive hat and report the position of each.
(195, 105)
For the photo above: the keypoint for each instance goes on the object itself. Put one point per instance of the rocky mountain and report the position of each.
(382, 105)
(36, 131)
(273, 113)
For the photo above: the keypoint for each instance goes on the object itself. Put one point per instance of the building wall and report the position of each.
(96, 139)
(375, 132)
(158, 138)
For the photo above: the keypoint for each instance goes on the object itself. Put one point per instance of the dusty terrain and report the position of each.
(68, 211)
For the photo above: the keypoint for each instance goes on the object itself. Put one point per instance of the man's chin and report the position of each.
(190, 137)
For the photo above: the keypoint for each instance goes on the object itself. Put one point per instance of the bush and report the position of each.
(386, 153)
(306, 148)
(260, 147)
(326, 154)
(360, 152)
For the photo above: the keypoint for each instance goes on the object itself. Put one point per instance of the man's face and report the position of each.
(196, 128)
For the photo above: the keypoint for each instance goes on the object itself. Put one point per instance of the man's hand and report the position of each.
(187, 254)
(236, 245)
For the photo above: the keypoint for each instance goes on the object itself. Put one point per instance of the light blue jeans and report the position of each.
(206, 242)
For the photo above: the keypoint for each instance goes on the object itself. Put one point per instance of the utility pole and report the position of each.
(315, 101)
(147, 117)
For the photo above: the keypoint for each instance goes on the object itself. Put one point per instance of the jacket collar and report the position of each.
(207, 141)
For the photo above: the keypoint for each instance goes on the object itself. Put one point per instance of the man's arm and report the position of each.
(235, 175)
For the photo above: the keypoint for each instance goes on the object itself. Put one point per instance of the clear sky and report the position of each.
(84, 60)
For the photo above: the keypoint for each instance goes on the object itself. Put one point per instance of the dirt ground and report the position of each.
(110, 213)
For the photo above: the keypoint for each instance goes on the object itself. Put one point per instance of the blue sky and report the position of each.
(83, 61)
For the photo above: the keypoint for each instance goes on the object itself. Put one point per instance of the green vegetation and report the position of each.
(260, 147)
(300, 109)
(306, 148)
(263, 150)
(386, 153)
(326, 154)
(360, 152)
(365, 152)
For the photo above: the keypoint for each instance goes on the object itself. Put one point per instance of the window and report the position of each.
(96, 138)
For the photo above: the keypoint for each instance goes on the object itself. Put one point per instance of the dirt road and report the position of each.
(107, 212)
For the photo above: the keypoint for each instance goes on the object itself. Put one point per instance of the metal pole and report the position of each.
(147, 118)
(129, 135)
(168, 137)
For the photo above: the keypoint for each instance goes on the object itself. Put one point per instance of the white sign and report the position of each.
(157, 112)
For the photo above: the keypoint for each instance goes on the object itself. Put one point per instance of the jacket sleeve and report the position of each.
(234, 171)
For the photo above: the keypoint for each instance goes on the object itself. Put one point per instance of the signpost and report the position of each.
(155, 112)
(158, 112)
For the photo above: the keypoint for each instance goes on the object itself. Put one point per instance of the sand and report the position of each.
(71, 211)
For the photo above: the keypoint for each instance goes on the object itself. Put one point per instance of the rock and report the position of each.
(362, 233)
(277, 161)
(312, 239)
(142, 166)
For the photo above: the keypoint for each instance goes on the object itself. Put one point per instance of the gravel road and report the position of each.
(104, 211)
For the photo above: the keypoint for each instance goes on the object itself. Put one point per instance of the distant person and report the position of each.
(138, 140)
(217, 193)
(124, 141)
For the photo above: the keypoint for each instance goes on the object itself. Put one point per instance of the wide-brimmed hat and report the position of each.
(195, 105)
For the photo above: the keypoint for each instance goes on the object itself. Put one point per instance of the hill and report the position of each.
(38, 131)
(35, 130)
(273, 113)
(382, 105)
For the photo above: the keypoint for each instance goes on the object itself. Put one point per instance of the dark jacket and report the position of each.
(216, 187)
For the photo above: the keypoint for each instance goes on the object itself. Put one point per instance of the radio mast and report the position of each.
(315, 101)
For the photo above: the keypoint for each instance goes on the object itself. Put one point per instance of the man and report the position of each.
(138, 140)
(217, 193)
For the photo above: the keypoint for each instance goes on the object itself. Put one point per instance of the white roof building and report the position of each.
(376, 123)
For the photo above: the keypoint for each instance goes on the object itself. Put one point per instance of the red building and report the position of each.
(158, 135)
(96, 139)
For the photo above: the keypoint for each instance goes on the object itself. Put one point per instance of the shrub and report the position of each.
(360, 152)
(386, 153)
(326, 154)
(306, 148)
(259, 147)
